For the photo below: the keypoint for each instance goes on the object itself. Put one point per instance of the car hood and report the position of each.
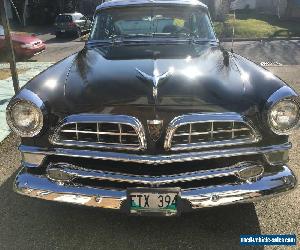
(112, 75)
(106, 79)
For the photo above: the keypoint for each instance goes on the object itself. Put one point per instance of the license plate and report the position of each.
(62, 31)
(153, 200)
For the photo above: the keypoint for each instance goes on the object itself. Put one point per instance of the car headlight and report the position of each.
(25, 118)
(27, 46)
(284, 116)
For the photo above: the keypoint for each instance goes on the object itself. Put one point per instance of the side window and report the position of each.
(200, 26)
(77, 17)
(103, 28)
(83, 18)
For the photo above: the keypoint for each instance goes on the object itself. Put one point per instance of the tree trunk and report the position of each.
(289, 8)
(25, 13)
(69, 6)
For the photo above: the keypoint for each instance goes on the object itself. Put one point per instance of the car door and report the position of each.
(84, 21)
(2, 38)
(80, 22)
(88, 24)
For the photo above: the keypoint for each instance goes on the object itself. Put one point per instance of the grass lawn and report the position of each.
(5, 73)
(253, 25)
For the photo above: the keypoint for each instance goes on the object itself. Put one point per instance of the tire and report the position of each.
(58, 34)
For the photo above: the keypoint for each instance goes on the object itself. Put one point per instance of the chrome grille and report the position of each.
(101, 131)
(37, 43)
(197, 131)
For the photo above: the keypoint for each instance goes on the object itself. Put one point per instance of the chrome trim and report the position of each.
(283, 93)
(78, 172)
(32, 160)
(283, 158)
(156, 79)
(207, 118)
(26, 96)
(270, 185)
(99, 119)
(250, 172)
(155, 159)
(155, 129)
(292, 128)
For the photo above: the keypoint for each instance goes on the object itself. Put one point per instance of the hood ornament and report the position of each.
(156, 79)
(155, 129)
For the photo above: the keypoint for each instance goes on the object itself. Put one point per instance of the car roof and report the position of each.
(123, 3)
(71, 14)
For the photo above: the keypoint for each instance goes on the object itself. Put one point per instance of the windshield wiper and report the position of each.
(138, 38)
(195, 39)
(128, 37)
(137, 35)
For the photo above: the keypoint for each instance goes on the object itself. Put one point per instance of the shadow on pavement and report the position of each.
(64, 39)
(284, 52)
(31, 223)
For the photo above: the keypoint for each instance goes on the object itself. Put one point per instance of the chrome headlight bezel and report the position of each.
(18, 130)
(294, 125)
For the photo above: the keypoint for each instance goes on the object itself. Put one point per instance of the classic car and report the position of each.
(25, 45)
(154, 117)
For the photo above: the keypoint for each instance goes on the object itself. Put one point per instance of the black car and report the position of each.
(72, 24)
(153, 116)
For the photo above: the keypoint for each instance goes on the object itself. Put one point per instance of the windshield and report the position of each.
(181, 22)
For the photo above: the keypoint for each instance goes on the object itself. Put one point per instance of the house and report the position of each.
(218, 8)
(293, 9)
(243, 4)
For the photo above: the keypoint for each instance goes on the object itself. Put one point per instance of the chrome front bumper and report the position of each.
(270, 184)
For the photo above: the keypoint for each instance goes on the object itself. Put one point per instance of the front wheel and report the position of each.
(58, 34)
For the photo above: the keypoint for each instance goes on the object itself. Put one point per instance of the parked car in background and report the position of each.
(72, 23)
(25, 45)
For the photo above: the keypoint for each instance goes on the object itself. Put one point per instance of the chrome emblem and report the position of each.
(156, 79)
(155, 129)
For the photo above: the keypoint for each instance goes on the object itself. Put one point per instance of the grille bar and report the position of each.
(101, 131)
(212, 132)
(98, 133)
(198, 131)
